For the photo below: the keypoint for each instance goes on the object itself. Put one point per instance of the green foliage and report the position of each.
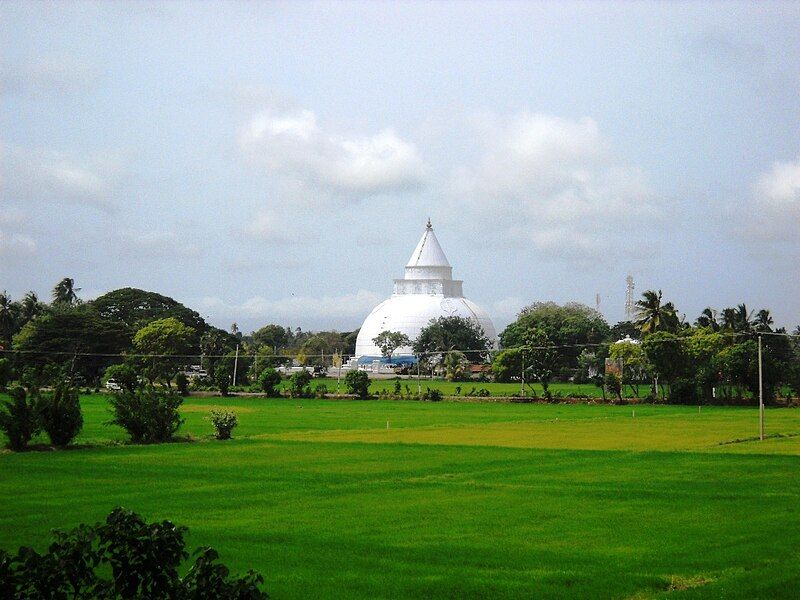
(653, 315)
(136, 308)
(272, 336)
(124, 374)
(59, 414)
(299, 384)
(222, 379)
(389, 341)
(224, 421)
(163, 338)
(5, 373)
(320, 390)
(613, 385)
(269, 381)
(568, 325)
(18, 419)
(65, 293)
(453, 333)
(455, 366)
(357, 382)
(148, 415)
(214, 344)
(435, 395)
(142, 559)
(182, 383)
(738, 365)
(667, 355)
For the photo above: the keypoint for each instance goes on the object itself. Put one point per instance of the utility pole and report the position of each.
(760, 394)
(419, 383)
(522, 376)
(235, 364)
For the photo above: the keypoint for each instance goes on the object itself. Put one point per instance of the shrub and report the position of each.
(224, 421)
(5, 373)
(435, 395)
(298, 384)
(483, 393)
(269, 380)
(397, 388)
(613, 384)
(124, 374)
(182, 383)
(320, 391)
(143, 561)
(357, 383)
(148, 415)
(19, 420)
(222, 379)
(60, 414)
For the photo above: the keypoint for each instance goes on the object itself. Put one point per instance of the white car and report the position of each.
(113, 386)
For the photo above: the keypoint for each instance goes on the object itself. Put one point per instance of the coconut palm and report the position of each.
(708, 318)
(30, 307)
(65, 292)
(455, 365)
(763, 320)
(8, 318)
(651, 315)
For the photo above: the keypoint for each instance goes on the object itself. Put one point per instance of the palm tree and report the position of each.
(708, 318)
(30, 307)
(455, 365)
(763, 320)
(8, 316)
(651, 315)
(65, 292)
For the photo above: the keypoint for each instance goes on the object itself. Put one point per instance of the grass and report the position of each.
(452, 500)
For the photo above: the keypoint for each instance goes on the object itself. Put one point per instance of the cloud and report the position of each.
(47, 76)
(294, 145)
(726, 48)
(15, 246)
(294, 308)
(164, 244)
(773, 213)
(556, 184)
(268, 228)
(55, 177)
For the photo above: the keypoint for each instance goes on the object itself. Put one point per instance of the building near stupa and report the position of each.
(427, 291)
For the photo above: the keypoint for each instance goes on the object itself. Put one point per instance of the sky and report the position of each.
(277, 162)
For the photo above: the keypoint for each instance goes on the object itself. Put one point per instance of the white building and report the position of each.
(428, 291)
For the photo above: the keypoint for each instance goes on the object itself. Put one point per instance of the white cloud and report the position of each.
(556, 184)
(268, 228)
(54, 177)
(294, 145)
(163, 244)
(15, 246)
(773, 214)
(48, 75)
(294, 308)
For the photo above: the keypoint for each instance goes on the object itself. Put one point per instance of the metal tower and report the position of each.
(629, 298)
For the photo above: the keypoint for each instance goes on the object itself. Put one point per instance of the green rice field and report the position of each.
(396, 499)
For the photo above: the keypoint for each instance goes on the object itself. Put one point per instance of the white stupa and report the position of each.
(428, 291)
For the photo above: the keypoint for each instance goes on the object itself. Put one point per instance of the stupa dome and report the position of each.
(427, 291)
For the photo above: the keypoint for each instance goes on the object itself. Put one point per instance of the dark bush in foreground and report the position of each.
(142, 560)
(60, 414)
(299, 384)
(269, 380)
(18, 419)
(148, 415)
(357, 383)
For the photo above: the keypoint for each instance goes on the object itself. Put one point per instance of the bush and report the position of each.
(320, 391)
(19, 420)
(357, 383)
(222, 379)
(269, 380)
(148, 415)
(143, 561)
(5, 373)
(60, 414)
(613, 384)
(182, 383)
(684, 391)
(298, 384)
(435, 395)
(224, 421)
(124, 374)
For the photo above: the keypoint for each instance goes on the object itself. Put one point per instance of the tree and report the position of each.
(708, 319)
(453, 333)
(455, 366)
(357, 382)
(738, 365)
(214, 344)
(136, 308)
(652, 315)
(30, 307)
(5, 373)
(272, 336)
(389, 341)
(614, 385)
(124, 374)
(568, 326)
(666, 353)
(536, 357)
(634, 363)
(148, 415)
(299, 384)
(269, 380)
(18, 419)
(8, 319)
(163, 339)
(59, 413)
(65, 293)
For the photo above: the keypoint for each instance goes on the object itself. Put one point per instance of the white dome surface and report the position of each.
(426, 292)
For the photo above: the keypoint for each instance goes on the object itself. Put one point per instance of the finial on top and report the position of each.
(429, 223)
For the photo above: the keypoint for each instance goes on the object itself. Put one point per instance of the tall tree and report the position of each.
(708, 319)
(389, 341)
(453, 333)
(160, 341)
(65, 293)
(8, 318)
(653, 315)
